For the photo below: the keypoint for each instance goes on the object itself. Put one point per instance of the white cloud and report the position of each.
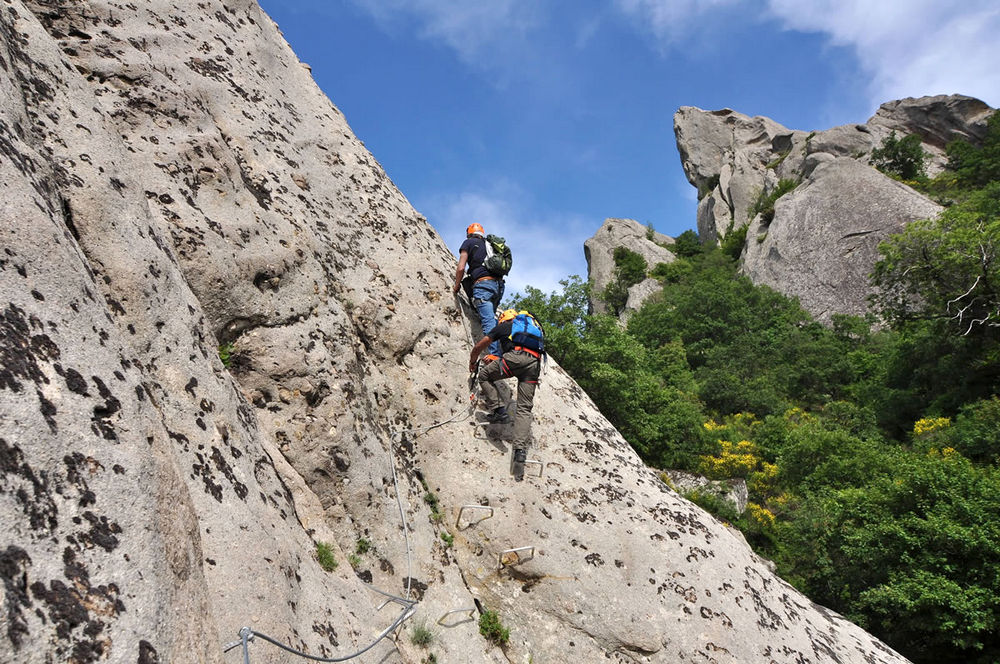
(546, 248)
(669, 20)
(910, 48)
(473, 29)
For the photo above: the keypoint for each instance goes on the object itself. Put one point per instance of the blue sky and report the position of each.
(541, 118)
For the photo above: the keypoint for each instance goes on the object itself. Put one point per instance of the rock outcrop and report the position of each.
(822, 239)
(174, 182)
(822, 245)
(599, 251)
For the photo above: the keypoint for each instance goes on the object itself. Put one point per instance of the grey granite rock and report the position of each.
(822, 243)
(600, 248)
(732, 159)
(937, 120)
(174, 181)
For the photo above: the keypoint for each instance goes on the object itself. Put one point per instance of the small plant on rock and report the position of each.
(226, 354)
(363, 546)
(492, 629)
(421, 635)
(432, 502)
(324, 554)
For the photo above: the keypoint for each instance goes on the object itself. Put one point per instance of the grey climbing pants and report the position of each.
(526, 368)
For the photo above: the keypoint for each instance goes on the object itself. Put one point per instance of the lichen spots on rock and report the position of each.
(21, 351)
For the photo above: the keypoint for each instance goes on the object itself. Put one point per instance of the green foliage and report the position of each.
(975, 167)
(763, 203)
(362, 546)
(432, 501)
(646, 393)
(976, 431)
(355, 560)
(687, 244)
(630, 269)
(421, 635)
(226, 354)
(713, 503)
(946, 268)
(733, 241)
(903, 158)
(449, 539)
(706, 188)
(672, 272)
(909, 554)
(492, 629)
(751, 349)
(325, 557)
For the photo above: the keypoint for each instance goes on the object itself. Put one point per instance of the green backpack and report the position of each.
(498, 258)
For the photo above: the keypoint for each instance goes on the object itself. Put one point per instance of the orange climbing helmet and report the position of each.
(475, 229)
(505, 316)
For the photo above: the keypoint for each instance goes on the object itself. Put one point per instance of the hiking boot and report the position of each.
(498, 415)
(517, 467)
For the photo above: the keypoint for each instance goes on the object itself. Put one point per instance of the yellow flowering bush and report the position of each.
(927, 425)
(733, 460)
(762, 481)
(760, 515)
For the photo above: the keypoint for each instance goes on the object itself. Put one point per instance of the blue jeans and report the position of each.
(484, 294)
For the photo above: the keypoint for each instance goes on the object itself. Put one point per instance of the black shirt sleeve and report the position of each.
(501, 331)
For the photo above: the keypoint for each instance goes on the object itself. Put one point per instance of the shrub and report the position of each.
(226, 354)
(492, 629)
(903, 158)
(363, 546)
(732, 243)
(671, 273)
(630, 269)
(687, 244)
(763, 203)
(708, 186)
(325, 557)
(713, 503)
(449, 539)
(421, 635)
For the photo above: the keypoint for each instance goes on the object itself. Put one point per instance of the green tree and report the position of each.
(647, 394)
(751, 348)
(687, 244)
(630, 269)
(910, 554)
(946, 268)
(977, 166)
(903, 158)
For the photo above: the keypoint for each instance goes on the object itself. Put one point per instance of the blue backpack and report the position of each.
(526, 332)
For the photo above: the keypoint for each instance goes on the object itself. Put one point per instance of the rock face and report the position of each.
(822, 240)
(821, 245)
(599, 251)
(174, 182)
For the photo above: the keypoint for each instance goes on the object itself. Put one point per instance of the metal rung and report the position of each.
(534, 462)
(512, 556)
(472, 616)
(472, 507)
